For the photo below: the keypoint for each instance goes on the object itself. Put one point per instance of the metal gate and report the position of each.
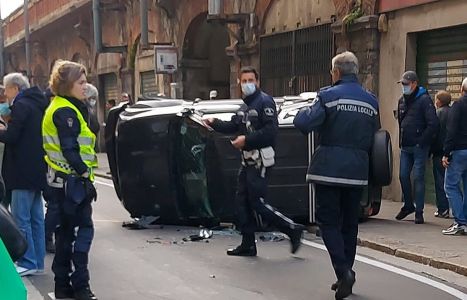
(148, 82)
(442, 59)
(296, 61)
(110, 82)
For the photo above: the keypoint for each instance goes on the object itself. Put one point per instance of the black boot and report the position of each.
(85, 294)
(345, 285)
(295, 236)
(64, 292)
(246, 248)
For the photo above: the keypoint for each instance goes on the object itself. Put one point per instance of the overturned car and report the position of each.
(165, 162)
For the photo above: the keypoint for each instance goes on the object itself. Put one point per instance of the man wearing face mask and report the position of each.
(257, 127)
(418, 125)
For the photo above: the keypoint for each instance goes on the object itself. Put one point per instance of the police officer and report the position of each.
(346, 118)
(70, 155)
(257, 125)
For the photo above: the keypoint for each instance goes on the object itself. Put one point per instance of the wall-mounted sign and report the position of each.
(166, 58)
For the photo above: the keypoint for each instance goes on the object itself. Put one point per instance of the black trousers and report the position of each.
(337, 212)
(252, 208)
(72, 246)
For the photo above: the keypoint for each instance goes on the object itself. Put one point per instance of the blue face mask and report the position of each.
(248, 89)
(4, 109)
(406, 90)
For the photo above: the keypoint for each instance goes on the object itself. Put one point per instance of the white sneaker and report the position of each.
(455, 229)
(25, 272)
(39, 272)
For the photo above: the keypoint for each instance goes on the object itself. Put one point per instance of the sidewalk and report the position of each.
(420, 243)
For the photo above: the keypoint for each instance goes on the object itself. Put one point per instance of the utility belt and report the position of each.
(78, 190)
(261, 159)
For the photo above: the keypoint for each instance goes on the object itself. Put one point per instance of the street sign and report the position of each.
(166, 58)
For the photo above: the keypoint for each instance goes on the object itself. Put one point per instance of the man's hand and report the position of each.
(239, 142)
(445, 161)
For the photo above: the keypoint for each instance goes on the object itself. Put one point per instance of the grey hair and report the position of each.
(16, 79)
(91, 91)
(464, 85)
(346, 63)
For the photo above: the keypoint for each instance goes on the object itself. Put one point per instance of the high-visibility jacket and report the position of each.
(51, 142)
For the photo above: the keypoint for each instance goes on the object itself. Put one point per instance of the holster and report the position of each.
(78, 191)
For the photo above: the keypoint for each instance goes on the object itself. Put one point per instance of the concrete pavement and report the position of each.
(420, 243)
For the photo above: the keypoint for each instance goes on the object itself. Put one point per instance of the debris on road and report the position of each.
(145, 222)
(271, 237)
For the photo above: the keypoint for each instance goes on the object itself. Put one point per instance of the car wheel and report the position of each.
(381, 162)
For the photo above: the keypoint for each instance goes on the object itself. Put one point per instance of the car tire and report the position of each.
(381, 161)
(11, 236)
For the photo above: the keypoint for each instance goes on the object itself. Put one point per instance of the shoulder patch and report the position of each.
(70, 122)
(269, 111)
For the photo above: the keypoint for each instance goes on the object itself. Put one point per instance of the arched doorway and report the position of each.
(205, 65)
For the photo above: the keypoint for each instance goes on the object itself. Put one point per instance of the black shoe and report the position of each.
(296, 238)
(345, 285)
(50, 246)
(419, 218)
(64, 293)
(85, 294)
(334, 286)
(444, 214)
(242, 251)
(404, 213)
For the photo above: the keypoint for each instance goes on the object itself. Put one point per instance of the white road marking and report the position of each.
(104, 183)
(381, 265)
(440, 286)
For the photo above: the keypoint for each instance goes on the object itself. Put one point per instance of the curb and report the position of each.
(105, 176)
(415, 257)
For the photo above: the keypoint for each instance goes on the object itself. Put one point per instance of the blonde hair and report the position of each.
(64, 75)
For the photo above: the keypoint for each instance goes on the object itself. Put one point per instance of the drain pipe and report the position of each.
(144, 23)
(27, 38)
(96, 16)
(2, 47)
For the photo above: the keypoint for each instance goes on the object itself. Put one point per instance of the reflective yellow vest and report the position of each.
(51, 143)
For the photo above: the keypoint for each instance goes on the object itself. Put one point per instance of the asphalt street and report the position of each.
(158, 264)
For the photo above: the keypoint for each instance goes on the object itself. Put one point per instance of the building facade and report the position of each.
(291, 42)
(430, 37)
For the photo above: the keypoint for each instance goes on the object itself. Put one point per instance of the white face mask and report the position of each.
(406, 90)
(248, 89)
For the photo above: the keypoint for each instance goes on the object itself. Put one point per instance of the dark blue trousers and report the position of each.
(252, 208)
(337, 212)
(72, 247)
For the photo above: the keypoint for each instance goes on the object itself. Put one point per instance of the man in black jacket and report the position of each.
(418, 126)
(455, 160)
(24, 168)
(257, 127)
(442, 101)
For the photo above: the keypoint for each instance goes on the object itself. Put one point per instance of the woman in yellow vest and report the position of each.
(69, 146)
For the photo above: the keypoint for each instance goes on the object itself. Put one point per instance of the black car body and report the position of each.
(165, 162)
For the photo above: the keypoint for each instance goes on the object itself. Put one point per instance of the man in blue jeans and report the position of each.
(24, 168)
(455, 161)
(418, 126)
